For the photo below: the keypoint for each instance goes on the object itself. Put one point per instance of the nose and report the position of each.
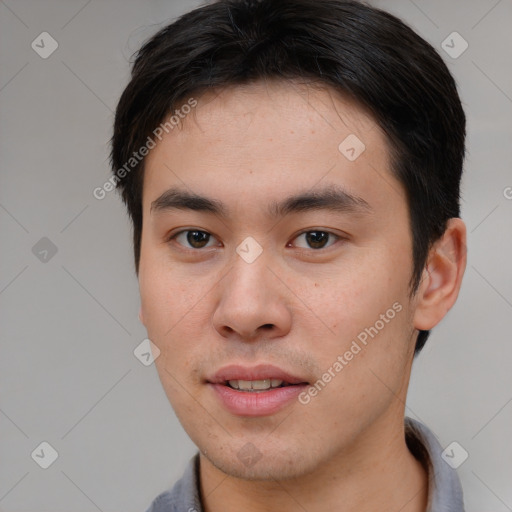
(253, 303)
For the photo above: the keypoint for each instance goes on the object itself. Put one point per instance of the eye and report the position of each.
(317, 239)
(195, 238)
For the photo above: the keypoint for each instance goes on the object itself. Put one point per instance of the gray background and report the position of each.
(69, 323)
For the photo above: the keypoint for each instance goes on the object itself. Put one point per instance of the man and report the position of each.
(292, 172)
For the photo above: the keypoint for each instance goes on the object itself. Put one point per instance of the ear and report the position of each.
(442, 276)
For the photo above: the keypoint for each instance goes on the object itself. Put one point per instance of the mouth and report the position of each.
(257, 391)
(255, 379)
(257, 386)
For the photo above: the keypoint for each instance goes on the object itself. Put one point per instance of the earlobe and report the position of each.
(442, 277)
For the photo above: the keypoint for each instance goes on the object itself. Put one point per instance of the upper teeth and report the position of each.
(248, 385)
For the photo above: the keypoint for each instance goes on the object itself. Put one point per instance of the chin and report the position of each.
(269, 464)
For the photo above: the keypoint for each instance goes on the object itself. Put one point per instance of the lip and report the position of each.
(259, 372)
(251, 403)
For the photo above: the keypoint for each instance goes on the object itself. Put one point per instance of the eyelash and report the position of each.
(329, 233)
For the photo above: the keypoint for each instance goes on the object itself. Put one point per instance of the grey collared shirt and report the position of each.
(444, 494)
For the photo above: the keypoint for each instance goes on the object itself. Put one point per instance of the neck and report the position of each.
(377, 473)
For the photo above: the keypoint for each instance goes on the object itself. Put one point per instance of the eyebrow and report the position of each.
(330, 197)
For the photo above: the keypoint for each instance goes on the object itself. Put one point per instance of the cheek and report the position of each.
(352, 298)
(172, 309)
(365, 329)
(166, 295)
(175, 310)
(364, 364)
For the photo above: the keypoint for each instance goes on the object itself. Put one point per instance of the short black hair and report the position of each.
(365, 53)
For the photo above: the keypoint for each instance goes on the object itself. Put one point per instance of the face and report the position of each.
(289, 260)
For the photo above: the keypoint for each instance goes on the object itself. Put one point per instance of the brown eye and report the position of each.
(317, 239)
(194, 239)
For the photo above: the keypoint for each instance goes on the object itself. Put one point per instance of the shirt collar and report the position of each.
(445, 491)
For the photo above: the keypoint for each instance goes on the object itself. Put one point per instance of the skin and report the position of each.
(295, 306)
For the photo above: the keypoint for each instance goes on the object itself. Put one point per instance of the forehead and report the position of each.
(268, 138)
(288, 107)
